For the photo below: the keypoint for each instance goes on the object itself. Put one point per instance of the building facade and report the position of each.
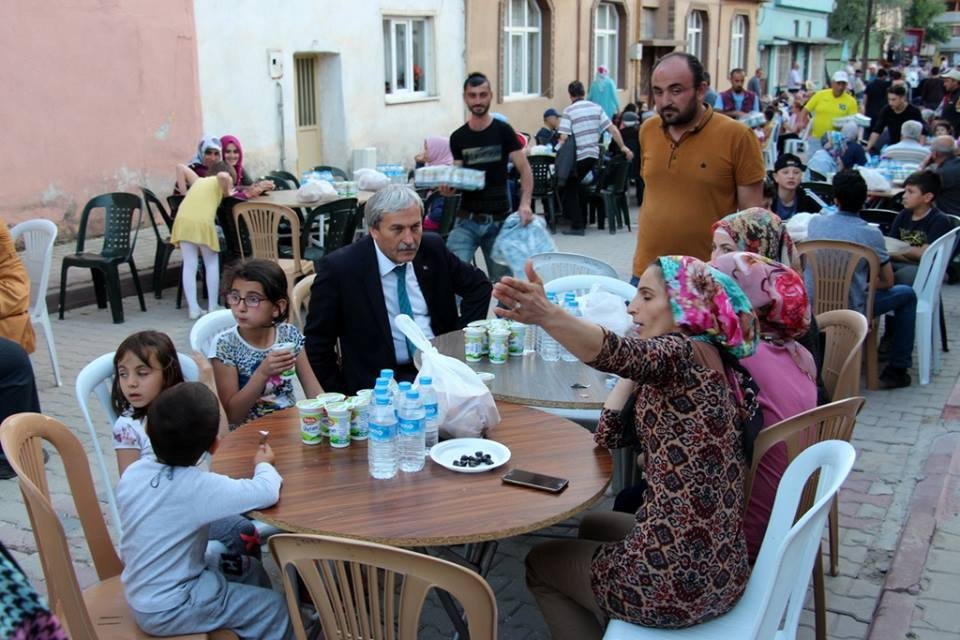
(951, 18)
(794, 31)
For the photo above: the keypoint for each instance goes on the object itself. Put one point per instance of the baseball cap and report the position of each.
(788, 160)
(953, 74)
(630, 119)
(841, 76)
(550, 112)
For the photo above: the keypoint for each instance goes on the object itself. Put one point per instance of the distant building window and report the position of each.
(796, 28)
(696, 22)
(955, 31)
(408, 56)
(522, 31)
(648, 25)
(606, 39)
(809, 28)
(738, 42)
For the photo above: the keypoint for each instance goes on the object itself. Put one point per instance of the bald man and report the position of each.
(943, 159)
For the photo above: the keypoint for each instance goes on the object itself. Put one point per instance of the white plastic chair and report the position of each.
(778, 583)
(97, 377)
(206, 329)
(582, 284)
(770, 150)
(550, 266)
(926, 284)
(38, 238)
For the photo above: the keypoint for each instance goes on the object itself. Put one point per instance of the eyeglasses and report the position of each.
(252, 300)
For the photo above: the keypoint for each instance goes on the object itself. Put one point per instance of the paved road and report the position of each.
(896, 439)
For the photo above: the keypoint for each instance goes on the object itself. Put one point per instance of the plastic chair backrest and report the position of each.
(120, 228)
(300, 300)
(582, 284)
(451, 204)
(550, 266)
(152, 203)
(207, 327)
(21, 436)
(336, 171)
(97, 378)
(342, 223)
(279, 182)
(824, 190)
(844, 331)
(933, 266)
(39, 237)
(544, 179)
(286, 175)
(778, 582)
(173, 203)
(614, 175)
(906, 156)
(366, 590)
(883, 218)
(833, 264)
(262, 222)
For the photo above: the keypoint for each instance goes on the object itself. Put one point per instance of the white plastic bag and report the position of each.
(370, 179)
(797, 225)
(515, 242)
(874, 179)
(606, 309)
(316, 190)
(465, 406)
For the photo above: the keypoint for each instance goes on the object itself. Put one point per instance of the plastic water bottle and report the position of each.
(549, 348)
(573, 308)
(382, 443)
(399, 395)
(431, 418)
(391, 383)
(411, 432)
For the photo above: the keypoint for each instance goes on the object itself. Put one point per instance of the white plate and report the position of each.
(446, 452)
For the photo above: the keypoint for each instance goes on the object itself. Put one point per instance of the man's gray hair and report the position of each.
(944, 145)
(911, 130)
(390, 199)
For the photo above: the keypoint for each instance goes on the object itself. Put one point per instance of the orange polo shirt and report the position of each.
(690, 184)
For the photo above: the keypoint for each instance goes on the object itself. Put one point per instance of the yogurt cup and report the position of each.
(323, 400)
(473, 343)
(286, 346)
(311, 421)
(359, 416)
(518, 337)
(485, 338)
(338, 415)
(499, 346)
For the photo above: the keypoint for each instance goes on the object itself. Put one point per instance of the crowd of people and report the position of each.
(723, 343)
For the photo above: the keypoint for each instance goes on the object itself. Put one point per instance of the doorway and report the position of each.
(309, 142)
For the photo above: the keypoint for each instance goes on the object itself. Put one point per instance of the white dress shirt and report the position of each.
(421, 315)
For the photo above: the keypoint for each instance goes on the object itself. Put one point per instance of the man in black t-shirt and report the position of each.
(486, 144)
(892, 117)
(875, 95)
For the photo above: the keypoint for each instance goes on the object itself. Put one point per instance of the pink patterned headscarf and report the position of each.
(437, 151)
(760, 231)
(224, 141)
(708, 305)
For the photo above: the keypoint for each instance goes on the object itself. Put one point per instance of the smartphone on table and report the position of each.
(535, 480)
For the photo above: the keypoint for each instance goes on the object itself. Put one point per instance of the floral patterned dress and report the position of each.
(685, 561)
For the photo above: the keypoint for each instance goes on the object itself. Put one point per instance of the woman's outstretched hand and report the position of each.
(522, 300)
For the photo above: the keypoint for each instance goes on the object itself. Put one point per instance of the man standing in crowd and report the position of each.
(875, 95)
(931, 89)
(951, 98)
(794, 78)
(486, 144)
(736, 101)
(710, 97)
(696, 167)
(829, 104)
(892, 117)
(586, 121)
(943, 160)
(755, 84)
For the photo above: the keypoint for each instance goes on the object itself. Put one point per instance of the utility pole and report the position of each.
(866, 38)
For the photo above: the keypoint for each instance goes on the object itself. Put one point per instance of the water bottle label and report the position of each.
(431, 409)
(410, 427)
(381, 432)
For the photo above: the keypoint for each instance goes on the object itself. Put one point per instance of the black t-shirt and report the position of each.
(917, 233)
(876, 95)
(489, 151)
(891, 120)
(949, 110)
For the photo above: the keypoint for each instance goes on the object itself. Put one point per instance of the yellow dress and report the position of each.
(197, 214)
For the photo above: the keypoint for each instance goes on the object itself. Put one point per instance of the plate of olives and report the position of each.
(469, 455)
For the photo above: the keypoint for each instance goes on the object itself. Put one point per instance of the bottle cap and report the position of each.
(412, 394)
(425, 380)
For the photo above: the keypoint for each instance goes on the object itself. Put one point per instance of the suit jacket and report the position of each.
(346, 304)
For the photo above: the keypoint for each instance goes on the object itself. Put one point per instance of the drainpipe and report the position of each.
(579, 13)
(283, 152)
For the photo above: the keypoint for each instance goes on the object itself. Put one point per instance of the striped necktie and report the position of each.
(404, 300)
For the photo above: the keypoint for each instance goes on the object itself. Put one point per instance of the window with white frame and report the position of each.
(408, 56)
(522, 29)
(695, 24)
(606, 39)
(738, 42)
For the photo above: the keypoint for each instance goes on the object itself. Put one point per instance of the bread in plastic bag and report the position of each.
(370, 179)
(605, 309)
(318, 190)
(516, 243)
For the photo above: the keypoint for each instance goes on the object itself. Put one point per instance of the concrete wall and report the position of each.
(719, 17)
(98, 96)
(570, 34)
(239, 97)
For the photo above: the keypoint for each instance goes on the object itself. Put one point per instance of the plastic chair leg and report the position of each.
(943, 331)
(924, 343)
(113, 289)
(819, 599)
(63, 289)
(610, 211)
(870, 352)
(99, 287)
(44, 320)
(136, 283)
(833, 518)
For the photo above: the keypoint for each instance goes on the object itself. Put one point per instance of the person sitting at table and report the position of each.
(548, 133)
(166, 505)
(361, 288)
(825, 160)
(693, 405)
(919, 224)
(908, 150)
(436, 152)
(898, 300)
(209, 152)
(14, 294)
(784, 370)
(853, 153)
(788, 174)
(233, 156)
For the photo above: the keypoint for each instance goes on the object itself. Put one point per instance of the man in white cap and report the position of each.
(892, 117)
(829, 104)
(951, 99)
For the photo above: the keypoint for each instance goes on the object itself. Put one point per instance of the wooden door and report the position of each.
(308, 113)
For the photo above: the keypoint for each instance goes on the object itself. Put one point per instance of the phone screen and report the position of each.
(535, 480)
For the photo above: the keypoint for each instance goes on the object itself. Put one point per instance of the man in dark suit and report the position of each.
(360, 288)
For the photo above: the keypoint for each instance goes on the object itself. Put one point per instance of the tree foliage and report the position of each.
(920, 13)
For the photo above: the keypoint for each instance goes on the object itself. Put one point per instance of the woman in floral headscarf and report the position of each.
(784, 370)
(682, 558)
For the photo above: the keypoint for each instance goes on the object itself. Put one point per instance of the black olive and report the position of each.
(479, 454)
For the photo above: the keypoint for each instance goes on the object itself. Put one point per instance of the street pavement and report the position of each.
(899, 572)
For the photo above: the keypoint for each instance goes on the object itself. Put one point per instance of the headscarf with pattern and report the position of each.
(758, 230)
(709, 305)
(209, 142)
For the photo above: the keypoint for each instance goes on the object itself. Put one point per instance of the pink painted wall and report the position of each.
(98, 96)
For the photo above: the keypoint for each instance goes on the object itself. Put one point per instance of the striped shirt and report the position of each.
(586, 120)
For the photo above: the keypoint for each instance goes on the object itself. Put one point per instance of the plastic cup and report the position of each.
(472, 343)
(311, 421)
(518, 337)
(359, 424)
(338, 414)
(485, 338)
(324, 399)
(499, 346)
(286, 346)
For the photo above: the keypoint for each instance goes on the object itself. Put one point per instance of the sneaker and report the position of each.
(195, 313)
(895, 378)
(574, 232)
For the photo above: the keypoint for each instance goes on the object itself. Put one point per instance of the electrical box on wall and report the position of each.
(635, 51)
(275, 63)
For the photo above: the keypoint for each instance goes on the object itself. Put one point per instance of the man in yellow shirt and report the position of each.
(827, 105)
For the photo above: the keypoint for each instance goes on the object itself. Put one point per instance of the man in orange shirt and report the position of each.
(697, 167)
